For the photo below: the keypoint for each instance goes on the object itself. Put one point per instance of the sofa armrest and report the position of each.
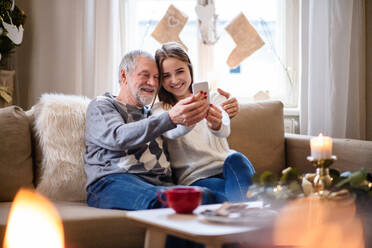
(351, 154)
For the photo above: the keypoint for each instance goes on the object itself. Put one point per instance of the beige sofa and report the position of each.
(257, 131)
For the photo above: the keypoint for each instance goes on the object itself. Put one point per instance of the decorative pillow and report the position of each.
(60, 130)
(15, 152)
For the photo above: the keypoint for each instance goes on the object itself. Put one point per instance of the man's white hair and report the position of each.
(128, 63)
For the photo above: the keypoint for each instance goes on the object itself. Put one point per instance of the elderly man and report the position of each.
(126, 159)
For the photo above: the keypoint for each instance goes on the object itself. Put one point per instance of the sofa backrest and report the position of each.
(56, 128)
(258, 132)
(16, 168)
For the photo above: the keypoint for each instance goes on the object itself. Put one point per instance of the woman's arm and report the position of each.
(218, 122)
(175, 133)
(217, 118)
(231, 105)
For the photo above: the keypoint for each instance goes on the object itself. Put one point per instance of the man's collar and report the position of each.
(145, 110)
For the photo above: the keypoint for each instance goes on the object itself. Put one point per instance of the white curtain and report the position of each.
(333, 86)
(101, 46)
(69, 47)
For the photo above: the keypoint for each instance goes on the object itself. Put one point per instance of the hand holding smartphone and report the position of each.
(201, 86)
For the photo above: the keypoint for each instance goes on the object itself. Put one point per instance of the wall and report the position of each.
(369, 67)
(48, 60)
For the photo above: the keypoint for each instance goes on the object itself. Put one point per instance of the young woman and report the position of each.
(202, 157)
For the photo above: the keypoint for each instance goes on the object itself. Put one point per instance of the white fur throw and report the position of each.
(60, 128)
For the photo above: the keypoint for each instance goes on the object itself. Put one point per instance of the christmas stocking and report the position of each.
(170, 26)
(246, 38)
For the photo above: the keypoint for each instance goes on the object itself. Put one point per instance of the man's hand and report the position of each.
(190, 110)
(214, 117)
(231, 105)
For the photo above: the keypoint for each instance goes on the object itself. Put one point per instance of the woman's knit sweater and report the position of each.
(202, 151)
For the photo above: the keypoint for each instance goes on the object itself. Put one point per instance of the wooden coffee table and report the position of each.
(161, 222)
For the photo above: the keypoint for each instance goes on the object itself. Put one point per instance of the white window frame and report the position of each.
(291, 58)
(289, 49)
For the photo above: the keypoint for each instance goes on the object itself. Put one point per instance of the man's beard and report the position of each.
(143, 98)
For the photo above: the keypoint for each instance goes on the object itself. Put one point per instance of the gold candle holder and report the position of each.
(322, 179)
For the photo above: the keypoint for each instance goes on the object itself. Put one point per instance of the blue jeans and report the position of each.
(235, 180)
(129, 192)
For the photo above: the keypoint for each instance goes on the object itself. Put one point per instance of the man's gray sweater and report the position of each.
(121, 138)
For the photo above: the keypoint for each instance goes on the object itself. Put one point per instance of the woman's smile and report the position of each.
(177, 86)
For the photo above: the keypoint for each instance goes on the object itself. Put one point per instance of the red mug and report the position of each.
(183, 200)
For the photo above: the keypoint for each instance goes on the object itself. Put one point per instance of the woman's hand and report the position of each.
(214, 118)
(231, 105)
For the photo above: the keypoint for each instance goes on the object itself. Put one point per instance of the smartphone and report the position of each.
(201, 86)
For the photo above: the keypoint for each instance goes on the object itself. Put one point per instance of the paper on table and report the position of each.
(239, 213)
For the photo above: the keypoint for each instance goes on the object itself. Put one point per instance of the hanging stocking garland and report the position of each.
(170, 26)
(246, 38)
(206, 12)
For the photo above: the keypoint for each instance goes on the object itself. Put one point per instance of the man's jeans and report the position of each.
(129, 192)
(235, 180)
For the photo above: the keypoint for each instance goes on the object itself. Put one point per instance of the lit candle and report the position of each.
(321, 147)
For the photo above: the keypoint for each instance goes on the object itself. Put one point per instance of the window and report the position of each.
(273, 69)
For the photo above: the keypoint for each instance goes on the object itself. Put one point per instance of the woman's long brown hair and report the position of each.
(170, 50)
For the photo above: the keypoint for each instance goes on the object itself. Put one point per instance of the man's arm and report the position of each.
(188, 112)
(175, 133)
(105, 127)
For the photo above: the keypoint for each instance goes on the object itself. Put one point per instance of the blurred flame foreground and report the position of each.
(313, 222)
(33, 222)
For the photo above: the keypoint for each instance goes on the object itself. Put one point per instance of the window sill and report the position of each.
(291, 111)
(291, 120)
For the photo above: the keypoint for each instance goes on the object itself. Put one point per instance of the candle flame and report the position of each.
(33, 222)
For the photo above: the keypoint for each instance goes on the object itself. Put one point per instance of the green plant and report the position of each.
(291, 185)
(9, 14)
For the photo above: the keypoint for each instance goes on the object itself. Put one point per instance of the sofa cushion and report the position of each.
(59, 124)
(90, 227)
(258, 132)
(15, 152)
